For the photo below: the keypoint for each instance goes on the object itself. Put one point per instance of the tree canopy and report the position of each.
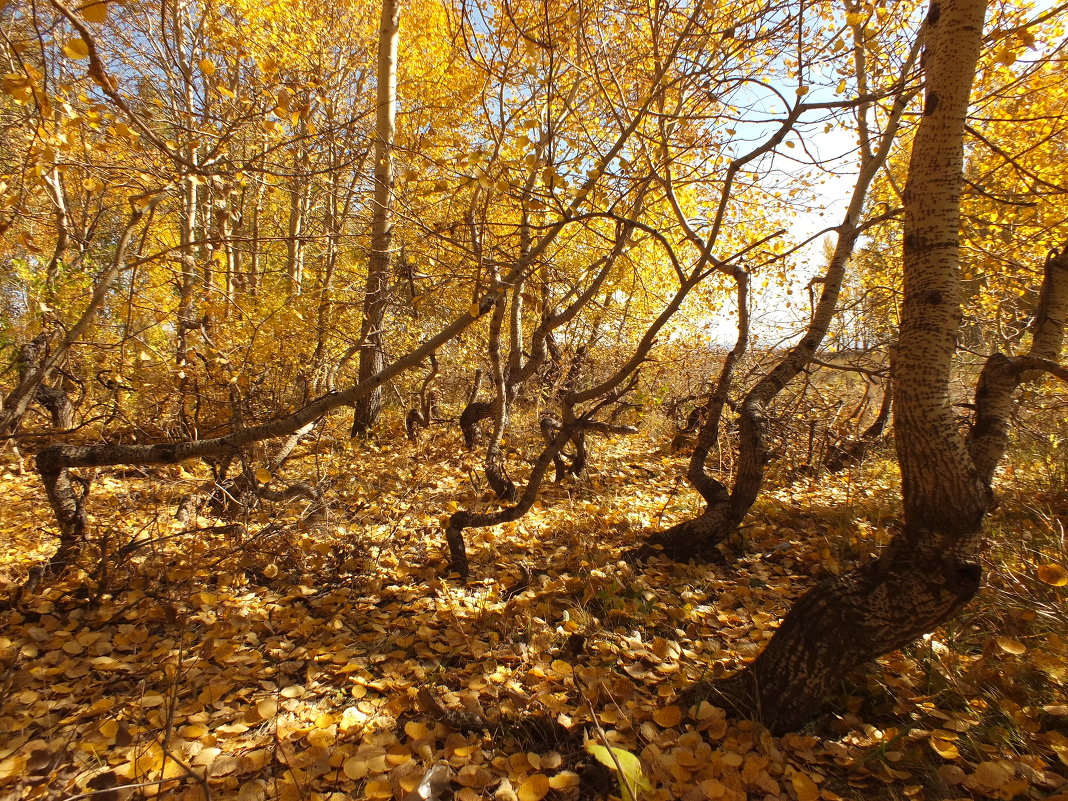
(448, 398)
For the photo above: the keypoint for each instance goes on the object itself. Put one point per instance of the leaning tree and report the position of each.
(930, 569)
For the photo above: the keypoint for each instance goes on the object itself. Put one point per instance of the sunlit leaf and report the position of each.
(76, 49)
(96, 12)
(1011, 645)
(804, 787)
(668, 716)
(632, 778)
(1053, 574)
(534, 788)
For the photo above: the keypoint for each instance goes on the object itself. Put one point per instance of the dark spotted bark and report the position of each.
(376, 294)
(843, 624)
(470, 418)
(422, 415)
(930, 568)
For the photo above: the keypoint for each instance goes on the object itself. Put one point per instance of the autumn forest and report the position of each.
(525, 399)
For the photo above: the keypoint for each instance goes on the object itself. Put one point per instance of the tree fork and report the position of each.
(928, 571)
(840, 625)
(725, 510)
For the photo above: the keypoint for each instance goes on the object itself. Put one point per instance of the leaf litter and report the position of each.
(323, 656)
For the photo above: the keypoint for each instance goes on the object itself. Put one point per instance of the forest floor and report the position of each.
(315, 651)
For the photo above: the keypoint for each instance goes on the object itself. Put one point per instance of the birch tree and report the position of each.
(931, 567)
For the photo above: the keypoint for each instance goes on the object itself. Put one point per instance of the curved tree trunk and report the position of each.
(842, 455)
(929, 570)
(725, 509)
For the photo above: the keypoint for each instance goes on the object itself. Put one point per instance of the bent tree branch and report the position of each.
(928, 571)
(725, 510)
(55, 462)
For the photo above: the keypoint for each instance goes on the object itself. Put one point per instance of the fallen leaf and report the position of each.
(534, 788)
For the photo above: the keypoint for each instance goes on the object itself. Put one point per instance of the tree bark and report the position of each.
(372, 355)
(928, 571)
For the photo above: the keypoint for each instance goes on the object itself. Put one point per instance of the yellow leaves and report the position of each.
(378, 788)
(207, 67)
(263, 476)
(564, 779)
(804, 787)
(1011, 645)
(712, 788)
(632, 780)
(281, 103)
(534, 788)
(1059, 743)
(474, 310)
(355, 767)
(942, 743)
(193, 731)
(1053, 574)
(96, 12)
(267, 709)
(76, 49)
(18, 85)
(1006, 56)
(668, 716)
(13, 766)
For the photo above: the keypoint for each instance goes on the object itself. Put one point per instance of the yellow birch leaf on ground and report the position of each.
(224, 765)
(263, 476)
(944, 748)
(668, 717)
(1053, 574)
(806, 789)
(378, 788)
(76, 49)
(13, 765)
(632, 781)
(355, 767)
(993, 774)
(252, 790)
(95, 12)
(534, 788)
(713, 788)
(1059, 743)
(267, 708)
(416, 730)
(564, 779)
(1011, 645)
